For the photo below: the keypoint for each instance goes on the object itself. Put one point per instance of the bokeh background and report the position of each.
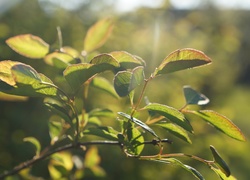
(150, 29)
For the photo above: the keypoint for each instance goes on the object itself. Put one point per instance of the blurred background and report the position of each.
(150, 29)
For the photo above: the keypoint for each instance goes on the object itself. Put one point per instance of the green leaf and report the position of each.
(127, 60)
(105, 85)
(77, 74)
(184, 166)
(122, 83)
(126, 81)
(182, 59)
(104, 132)
(175, 130)
(220, 122)
(35, 142)
(98, 34)
(30, 83)
(139, 123)
(222, 175)
(220, 162)
(171, 114)
(57, 108)
(101, 113)
(25, 74)
(137, 78)
(29, 45)
(55, 131)
(59, 60)
(193, 97)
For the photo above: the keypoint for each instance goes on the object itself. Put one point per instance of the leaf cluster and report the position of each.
(82, 70)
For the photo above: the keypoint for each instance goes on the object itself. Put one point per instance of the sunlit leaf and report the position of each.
(126, 81)
(122, 83)
(55, 131)
(137, 77)
(101, 113)
(190, 169)
(182, 59)
(92, 161)
(220, 162)
(28, 45)
(60, 165)
(105, 85)
(57, 108)
(139, 123)
(222, 175)
(5, 71)
(135, 145)
(25, 74)
(35, 142)
(175, 130)
(193, 97)
(104, 132)
(171, 114)
(127, 60)
(30, 83)
(77, 74)
(98, 34)
(59, 60)
(70, 51)
(220, 122)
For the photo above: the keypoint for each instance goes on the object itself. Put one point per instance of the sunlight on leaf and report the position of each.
(220, 122)
(222, 175)
(59, 60)
(28, 45)
(175, 130)
(98, 34)
(137, 78)
(127, 60)
(105, 85)
(171, 114)
(193, 97)
(135, 138)
(92, 161)
(77, 74)
(5, 71)
(122, 83)
(174, 161)
(182, 59)
(104, 132)
(139, 123)
(220, 162)
(35, 142)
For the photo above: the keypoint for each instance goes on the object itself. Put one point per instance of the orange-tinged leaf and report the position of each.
(28, 45)
(182, 59)
(98, 34)
(5, 71)
(220, 122)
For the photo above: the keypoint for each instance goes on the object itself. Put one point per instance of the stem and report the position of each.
(141, 95)
(46, 154)
(59, 33)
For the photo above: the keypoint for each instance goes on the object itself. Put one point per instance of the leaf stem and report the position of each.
(141, 95)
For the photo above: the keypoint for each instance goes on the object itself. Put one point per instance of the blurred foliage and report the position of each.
(151, 34)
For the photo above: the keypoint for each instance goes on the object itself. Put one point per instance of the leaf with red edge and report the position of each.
(220, 122)
(182, 59)
(98, 34)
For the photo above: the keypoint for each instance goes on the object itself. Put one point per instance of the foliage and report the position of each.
(76, 120)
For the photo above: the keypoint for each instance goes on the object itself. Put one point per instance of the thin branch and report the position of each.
(43, 156)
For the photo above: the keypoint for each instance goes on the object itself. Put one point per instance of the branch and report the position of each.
(36, 159)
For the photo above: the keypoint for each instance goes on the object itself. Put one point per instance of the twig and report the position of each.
(36, 159)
